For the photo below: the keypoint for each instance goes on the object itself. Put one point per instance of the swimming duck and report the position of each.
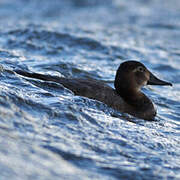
(127, 96)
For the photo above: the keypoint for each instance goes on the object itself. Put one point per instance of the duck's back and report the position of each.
(94, 89)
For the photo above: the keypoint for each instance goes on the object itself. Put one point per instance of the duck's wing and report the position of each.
(97, 90)
(85, 87)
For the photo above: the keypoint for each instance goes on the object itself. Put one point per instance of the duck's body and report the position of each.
(97, 90)
(126, 97)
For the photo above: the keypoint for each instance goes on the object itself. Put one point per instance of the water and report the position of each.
(48, 133)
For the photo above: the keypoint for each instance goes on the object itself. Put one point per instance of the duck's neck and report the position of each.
(135, 98)
(140, 105)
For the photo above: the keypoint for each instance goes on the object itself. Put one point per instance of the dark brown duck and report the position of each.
(127, 97)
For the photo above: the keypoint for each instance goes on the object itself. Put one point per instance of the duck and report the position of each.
(125, 97)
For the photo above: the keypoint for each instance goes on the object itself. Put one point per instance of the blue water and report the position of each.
(46, 132)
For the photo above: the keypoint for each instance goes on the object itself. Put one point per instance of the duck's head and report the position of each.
(131, 76)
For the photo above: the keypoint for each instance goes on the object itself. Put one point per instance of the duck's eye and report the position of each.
(140, 69)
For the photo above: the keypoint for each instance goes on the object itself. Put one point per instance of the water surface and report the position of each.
(48, 133)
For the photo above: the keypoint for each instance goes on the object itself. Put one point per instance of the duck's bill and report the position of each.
(153, 80)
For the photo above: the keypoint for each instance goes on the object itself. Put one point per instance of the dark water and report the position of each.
(48, 133)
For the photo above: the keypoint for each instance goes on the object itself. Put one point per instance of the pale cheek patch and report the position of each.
(135, 70)
(144, 83)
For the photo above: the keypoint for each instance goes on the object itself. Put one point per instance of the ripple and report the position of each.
(29, 39)
(54, 134)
